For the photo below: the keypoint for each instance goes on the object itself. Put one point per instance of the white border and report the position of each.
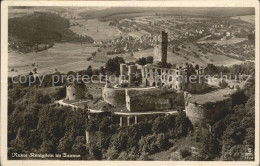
(4, 74)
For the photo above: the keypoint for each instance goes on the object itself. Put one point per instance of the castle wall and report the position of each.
(132, 70)
(123, 73)
(199, 86)
(114, 96)
(152, 99)
(94, 137)
(70, 93)
(200, 113)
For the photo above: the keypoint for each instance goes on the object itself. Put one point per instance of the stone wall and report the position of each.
(94, 137)
(70, 93)
(199, 113)
(142, 100)
(114, 96)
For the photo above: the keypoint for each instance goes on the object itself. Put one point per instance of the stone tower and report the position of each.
(160, 48)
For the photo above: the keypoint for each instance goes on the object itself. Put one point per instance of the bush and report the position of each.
(185, 152)
(222, 84)
(89, 96)
(153, 143)
(124, 85)
(159, 126)
(182, 124)
(95, 152)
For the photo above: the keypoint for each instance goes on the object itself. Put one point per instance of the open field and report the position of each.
(63, 56)
(248, 18)
(126, 12)
(19, 12)
(203, 60)
(96, 29)
(72, 57)
(138, 34)
(224, 42)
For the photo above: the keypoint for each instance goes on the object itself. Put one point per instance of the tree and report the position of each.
(79, 146)
(153, 143)
(175, 49)
(141, 61)
(65, 143)
(211, 69)
(48, 147)
(145, 60)
(185, 152)
(210, 143)
(149, 59)
(71, 73)
(95, 152)
(89, 71)
(35, 70)
(169, 121)
(94, 54)
(96, 72)
(222, 84)
(197, 66)
(132, 54)
(182, 124)
(112, 153)
(104, 125)
(102, 70)
(80, 88)
(159, 125)
(113, 65)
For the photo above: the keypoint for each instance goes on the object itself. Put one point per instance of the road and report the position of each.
(146, 113)
(172, 112)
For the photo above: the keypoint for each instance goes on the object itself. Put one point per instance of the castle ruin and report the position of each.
(154, 76)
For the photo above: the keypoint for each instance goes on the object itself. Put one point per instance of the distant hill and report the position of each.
(178, 11)
(41, 28)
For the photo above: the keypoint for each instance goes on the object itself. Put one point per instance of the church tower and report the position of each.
(160, 48)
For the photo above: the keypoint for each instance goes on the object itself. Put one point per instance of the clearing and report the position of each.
(248, 18)
(62, 57)
(99, 31)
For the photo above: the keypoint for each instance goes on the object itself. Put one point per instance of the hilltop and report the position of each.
(26, 33)
(125, 12)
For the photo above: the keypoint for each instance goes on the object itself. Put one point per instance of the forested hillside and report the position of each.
(40, 29)
(35, 125)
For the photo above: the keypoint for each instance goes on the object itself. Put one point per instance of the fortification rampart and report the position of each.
(213, 110)
(114, 96)
(152, 99)
(71, 93)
